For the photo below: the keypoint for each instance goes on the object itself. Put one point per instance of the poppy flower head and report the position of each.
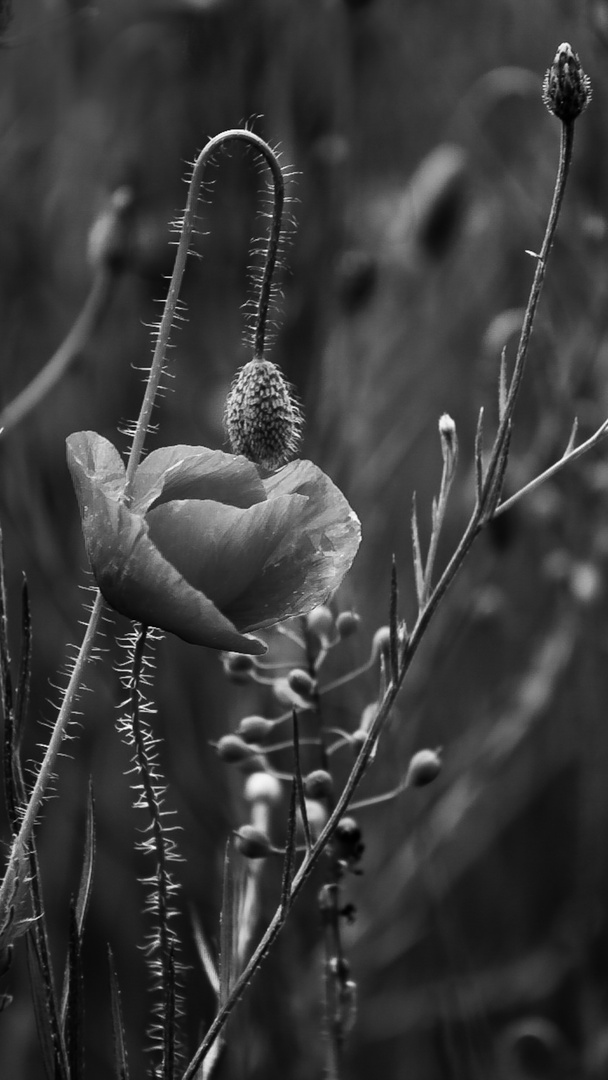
(206, 548)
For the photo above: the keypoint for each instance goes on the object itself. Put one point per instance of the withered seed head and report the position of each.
(262, 420)
(566, 88)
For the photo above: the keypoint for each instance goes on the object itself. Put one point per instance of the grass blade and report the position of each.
(121, 1067)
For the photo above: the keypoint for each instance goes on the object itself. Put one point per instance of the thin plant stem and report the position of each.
(169, 311)
(410, 647)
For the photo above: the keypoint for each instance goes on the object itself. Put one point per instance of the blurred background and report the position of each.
(423, 165)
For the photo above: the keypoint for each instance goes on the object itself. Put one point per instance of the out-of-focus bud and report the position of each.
(347, 624)
(302, 683)
(585, 582)
(253, 843)
(110, 235)
(285, 693)
(255, 729)
(238, 666)
(348, 842)
(263, 787)
(566, 89)
(316, 812)
(234, 750)
(381, 643)
(449, 444)
(318, 785)
(424, 767)
(320, 622)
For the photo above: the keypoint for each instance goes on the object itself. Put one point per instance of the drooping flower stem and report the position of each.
(169, 311)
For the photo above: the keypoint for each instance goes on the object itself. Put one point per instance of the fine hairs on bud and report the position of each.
(566, 88)
(263, 421)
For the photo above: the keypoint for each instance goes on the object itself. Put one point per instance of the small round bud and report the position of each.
(262, 419)
(263, 787)
(302, 683)
(254, 763)
(347, 624)
(381, 642)
(233, 750)
(255, 729)
(316, 812)
(320, 622)
(318, 785)
(348, 842)
(585, 582)
(424, 767)
(566, 88)
(285, 693)
(239, 667)
(253, 843)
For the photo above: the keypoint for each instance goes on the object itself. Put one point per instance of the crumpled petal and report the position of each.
(130, 572)
(219, 549)
(195, 472)
(311, 559)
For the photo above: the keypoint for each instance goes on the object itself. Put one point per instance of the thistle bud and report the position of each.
(424, 767)
(255, 729)
(253, 843)
(566, 88)
(262, 419)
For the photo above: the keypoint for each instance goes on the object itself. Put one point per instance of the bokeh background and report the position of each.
(424, 163)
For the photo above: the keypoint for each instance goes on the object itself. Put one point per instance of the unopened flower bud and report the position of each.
(566, 88)
(262, 787)
(255, 729)
(347, 624)
(381, 642)
(424, 767)
(285, 693)
(321, 622)
(233, 750)
(109, 239)
(449, 443)
(262, 419)
(253, 843)
(239, 667)
(348, 842)
(302, 683)
(318, 785)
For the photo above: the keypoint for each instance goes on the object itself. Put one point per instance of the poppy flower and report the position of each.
(207, 549)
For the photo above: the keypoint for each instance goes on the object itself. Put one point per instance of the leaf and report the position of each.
(74, 1013)
(229, 923)
(417, 553)
(118, 1027)
(82, 902)
(394, 625)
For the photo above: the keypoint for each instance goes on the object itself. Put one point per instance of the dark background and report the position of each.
(424, 164)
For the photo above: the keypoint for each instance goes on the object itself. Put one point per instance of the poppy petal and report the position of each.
(311, 559)
(219, 549)
(195, 472)
(131, 573)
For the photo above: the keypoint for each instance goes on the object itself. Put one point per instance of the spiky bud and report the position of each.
(262, 787)
(566, 88)
(262, 419)
(424, 767)
(253, 843)
(318, 785)
(255, 729)
(347, 624)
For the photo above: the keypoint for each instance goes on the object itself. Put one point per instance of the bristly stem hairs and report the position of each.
(16, 862)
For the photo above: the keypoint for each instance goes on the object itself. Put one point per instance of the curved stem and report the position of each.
(164, 331)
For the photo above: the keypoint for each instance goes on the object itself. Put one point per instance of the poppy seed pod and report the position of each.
(262, 419)
(206, 548)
